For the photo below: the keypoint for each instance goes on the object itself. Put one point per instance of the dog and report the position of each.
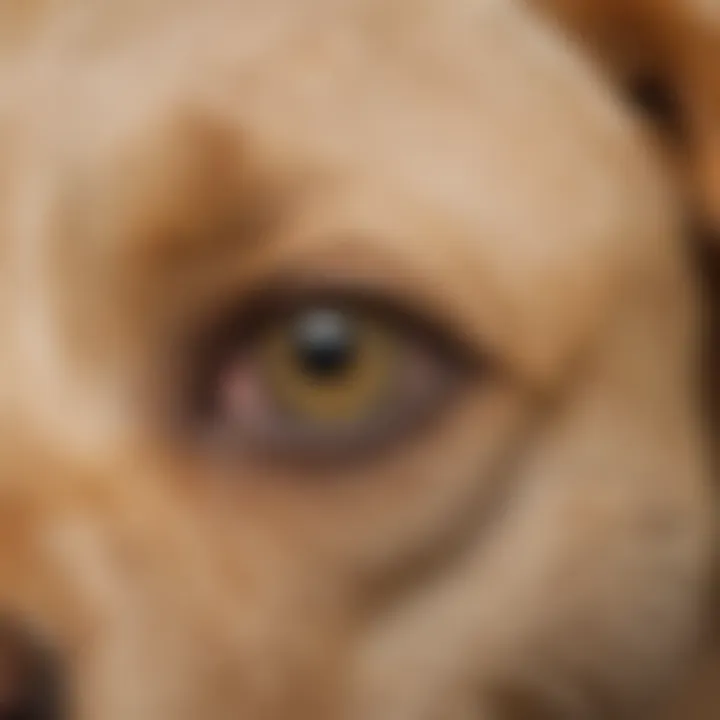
(349, 370)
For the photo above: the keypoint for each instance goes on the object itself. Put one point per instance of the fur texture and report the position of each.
(667, 54)
(538, 551)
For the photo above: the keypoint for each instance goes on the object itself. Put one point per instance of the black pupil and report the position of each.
(325, 343)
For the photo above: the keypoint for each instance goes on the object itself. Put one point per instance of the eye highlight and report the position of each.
(323, 377)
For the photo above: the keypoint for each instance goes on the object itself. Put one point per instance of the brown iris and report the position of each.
(327, 365)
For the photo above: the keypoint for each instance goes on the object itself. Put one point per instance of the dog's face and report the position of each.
(347, 369)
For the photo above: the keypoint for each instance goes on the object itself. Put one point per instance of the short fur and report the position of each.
(539, 551)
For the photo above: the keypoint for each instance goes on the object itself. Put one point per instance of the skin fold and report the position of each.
(664, 58)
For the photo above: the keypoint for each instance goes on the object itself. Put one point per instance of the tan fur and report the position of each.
(677, 44)
(540, 549)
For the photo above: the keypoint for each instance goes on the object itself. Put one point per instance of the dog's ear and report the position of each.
(664, 56)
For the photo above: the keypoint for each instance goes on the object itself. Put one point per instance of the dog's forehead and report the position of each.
(468, 116)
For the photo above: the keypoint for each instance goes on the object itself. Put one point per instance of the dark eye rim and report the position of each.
(241, 320)
(238, 324)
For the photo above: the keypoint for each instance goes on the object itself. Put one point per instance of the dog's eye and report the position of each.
(329, 366)
(326, 378)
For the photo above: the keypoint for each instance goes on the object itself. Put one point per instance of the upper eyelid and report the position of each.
(363, 269)
(283, 296)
